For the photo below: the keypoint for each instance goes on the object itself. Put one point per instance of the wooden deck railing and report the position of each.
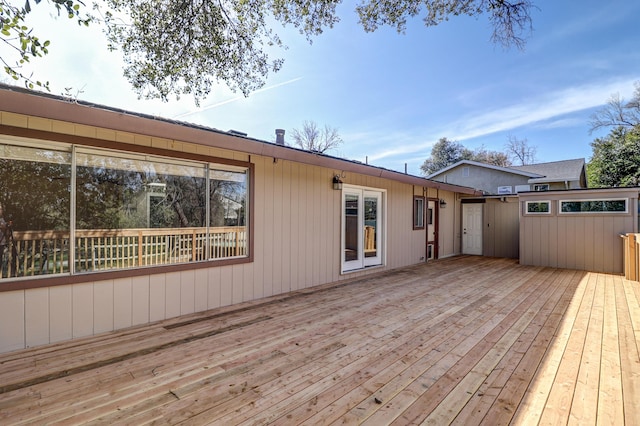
(47, 252)
(631, 256)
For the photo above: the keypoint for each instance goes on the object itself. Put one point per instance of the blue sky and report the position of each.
(392, 96)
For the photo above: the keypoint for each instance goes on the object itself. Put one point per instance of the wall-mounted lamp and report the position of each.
(443, 203)
(337, 182)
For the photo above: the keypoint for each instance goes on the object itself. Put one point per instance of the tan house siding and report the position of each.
(500, 235)
(297, 222)
(584, 241)
(483, 178)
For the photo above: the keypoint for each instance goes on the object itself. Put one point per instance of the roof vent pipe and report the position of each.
(280, 137)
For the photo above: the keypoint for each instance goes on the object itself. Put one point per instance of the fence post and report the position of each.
(633, 258)
(140, 242)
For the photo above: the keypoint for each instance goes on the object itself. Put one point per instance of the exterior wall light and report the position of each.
(337, 182)
(443, 203)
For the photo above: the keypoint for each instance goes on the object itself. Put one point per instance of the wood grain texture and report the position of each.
(466, 340)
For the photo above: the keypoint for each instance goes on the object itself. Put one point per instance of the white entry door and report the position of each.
(472, 229)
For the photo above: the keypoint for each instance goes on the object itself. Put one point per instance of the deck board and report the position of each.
(468, 340)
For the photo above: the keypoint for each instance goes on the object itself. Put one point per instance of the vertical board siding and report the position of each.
(37, 318)
(157, 297)
(123, 303)
(82, 308)
(103, 303)
(259, 255)
(201, 290)
(586, 241)
(140, 300)
(187, 292)
(12, 313)
(294, 225)
(214, 288)
(285, 223)
(60, 313)
(172, 297)
(275, 223)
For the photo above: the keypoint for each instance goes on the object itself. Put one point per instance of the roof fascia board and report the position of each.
(48, 107)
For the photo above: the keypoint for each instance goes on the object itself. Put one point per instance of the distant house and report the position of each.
(496, 180)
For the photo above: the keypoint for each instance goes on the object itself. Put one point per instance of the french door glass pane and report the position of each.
(370, 226)
(351, 205)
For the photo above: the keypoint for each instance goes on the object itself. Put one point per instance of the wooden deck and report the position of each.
(469, 340)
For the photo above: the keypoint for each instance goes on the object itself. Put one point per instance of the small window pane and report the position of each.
(228, 198)
(538, 207)
(418, 213)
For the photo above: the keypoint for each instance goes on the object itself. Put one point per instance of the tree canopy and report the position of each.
(23, 42)
(175, 47)
(616, 157)
(446, 152)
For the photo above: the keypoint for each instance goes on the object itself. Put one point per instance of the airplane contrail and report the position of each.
(227, 101)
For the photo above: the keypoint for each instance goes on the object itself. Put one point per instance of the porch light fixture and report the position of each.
(443, 203)
(337, 182)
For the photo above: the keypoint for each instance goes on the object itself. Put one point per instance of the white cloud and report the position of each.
(534, 110)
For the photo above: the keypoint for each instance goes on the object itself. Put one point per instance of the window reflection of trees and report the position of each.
(130, 210)
(594, 206)
(228, 199)
(122, 194)
(35, 194)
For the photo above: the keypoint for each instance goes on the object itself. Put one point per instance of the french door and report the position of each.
(362, 228)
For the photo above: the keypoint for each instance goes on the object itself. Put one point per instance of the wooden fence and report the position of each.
(631, 256)
(48, 252)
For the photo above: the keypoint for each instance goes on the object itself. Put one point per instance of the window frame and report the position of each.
(541, 187)
(561, 202)
(363, 262)
(419, 218)
(18, 135)
(527, 203)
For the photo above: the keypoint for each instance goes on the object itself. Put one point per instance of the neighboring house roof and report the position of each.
(38, 104)
(486, 166)
(556, 171)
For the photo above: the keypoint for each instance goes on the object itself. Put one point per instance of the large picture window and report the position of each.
(115, 210)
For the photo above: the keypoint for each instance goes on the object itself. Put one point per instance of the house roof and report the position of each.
(17, 100)
(556, 171)
(486, 166)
